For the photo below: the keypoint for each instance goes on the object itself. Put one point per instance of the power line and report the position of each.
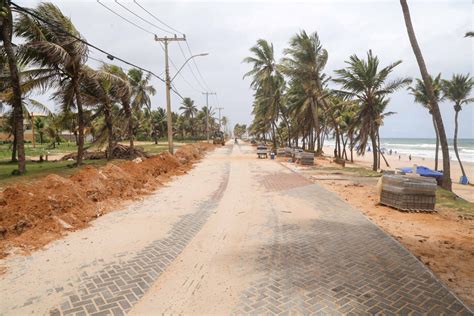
(124, 18)
(205, 86)
(156, 18)
(145, 20)
(190, 68)
(109, 55)
(145, 30)
(197, 68)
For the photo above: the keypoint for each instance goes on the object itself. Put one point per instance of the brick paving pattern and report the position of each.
(115, 288)
(340, 264)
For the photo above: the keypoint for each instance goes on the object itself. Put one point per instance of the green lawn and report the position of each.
(39, 149)
(39, 169)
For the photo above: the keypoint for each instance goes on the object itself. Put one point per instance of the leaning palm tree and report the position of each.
(366, 83)
(446, 183)
(458, 90)
(421, 97)
(48, 45)
(305, 62)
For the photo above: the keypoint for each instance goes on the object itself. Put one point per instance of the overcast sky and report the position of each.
(227, 29)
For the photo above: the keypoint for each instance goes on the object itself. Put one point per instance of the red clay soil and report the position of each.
(35, 213)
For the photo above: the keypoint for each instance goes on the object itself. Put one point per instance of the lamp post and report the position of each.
(168, 92)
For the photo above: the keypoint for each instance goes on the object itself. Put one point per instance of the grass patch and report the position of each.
(359, 171)
(39, 149)
(36, 170)
(446, 199)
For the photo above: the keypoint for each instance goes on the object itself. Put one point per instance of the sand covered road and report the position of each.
(234, 235)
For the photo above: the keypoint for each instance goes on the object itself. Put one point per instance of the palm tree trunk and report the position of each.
(437, 143)
(80, 123)
(456, 142)
(14, 157)
(378, 147)
(15, 82)
(446, 183)
(128, 115)
(373, 138)
(110, 132)
(351, 145)
(314, 111)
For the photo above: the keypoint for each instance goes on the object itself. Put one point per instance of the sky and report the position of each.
(227, 29)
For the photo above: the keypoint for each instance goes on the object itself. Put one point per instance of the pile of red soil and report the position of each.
(37, 212)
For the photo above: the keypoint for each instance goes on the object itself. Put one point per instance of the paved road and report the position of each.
(236, 235)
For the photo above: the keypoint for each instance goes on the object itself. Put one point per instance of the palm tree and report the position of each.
(305, 61)
(6, 21)
(267, 81)
(141, 88)
(47, 45)
(123, 91)
(446, 183)
(188, 108)
(458, 90)
(421, 97)
(365, 82)
(158, 124)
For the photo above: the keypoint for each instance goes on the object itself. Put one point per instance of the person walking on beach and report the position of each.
(399, 157)
(409, 157)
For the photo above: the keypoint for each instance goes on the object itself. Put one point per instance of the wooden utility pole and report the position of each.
(207, 112)
(165, 40)
(219, 109)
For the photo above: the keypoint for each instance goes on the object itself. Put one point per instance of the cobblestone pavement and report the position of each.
(339, 264)
(115, 288)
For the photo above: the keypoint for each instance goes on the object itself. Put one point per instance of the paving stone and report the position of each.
(120, 284)
(338, 264)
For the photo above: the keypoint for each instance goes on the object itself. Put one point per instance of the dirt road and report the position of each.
(235, 235)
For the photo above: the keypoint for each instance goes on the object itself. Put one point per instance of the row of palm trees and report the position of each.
(295, 100)
(110, 103)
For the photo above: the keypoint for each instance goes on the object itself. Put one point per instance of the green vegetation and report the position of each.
(39, 169)
(447, 199)
(106, 104)
(39, 149)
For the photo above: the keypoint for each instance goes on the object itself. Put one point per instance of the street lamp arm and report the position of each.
(187, 60)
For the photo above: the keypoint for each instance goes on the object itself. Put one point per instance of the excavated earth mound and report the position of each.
(33, 214)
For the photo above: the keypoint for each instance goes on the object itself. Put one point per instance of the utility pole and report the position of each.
(207, 112)
(165, 40)
(219, 109)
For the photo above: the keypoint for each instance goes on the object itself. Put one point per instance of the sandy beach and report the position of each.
(464, 191)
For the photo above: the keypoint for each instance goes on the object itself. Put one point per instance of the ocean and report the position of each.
(424, 147)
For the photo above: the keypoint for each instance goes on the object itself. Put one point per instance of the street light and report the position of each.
(168, 99)
(187, 60)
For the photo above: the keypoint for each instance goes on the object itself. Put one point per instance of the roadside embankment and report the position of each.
(35, 213)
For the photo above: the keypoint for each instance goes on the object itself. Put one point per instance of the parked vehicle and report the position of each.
(218, 138)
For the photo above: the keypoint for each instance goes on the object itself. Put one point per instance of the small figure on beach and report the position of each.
(399, 157)
(409, 157)
(390, 152)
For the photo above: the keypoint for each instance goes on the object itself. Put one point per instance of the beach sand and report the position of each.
(464, 191)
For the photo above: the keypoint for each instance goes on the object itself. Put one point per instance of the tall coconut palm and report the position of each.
(267, 81)
(141, 88)
(421, 97)
(458, 90)
(6, 23)
(365, 82)
(48, 45)
(188, 108)
(446, 183)
(304, 62)
(123, 91)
